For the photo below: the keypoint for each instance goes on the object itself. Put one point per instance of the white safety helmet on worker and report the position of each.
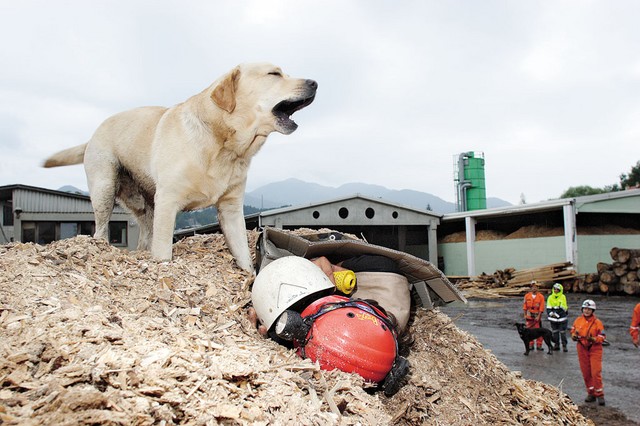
(282, 283)
(589, 304)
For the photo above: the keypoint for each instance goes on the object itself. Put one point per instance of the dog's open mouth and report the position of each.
(283, 111)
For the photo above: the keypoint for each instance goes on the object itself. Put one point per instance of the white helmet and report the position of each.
(284, 282)
(589, 304)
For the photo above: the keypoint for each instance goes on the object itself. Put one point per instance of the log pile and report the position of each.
(620, 276)
(512, 282)
(545, 275)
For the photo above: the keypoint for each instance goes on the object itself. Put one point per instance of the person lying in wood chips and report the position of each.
(297, 303)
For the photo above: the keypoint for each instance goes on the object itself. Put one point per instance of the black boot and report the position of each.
(590, 398)
(601, 400)
(564, 348)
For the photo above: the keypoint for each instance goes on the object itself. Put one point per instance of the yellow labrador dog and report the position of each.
(158, 161)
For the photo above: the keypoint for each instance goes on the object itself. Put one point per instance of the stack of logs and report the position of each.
(512, 282)
(621, 276)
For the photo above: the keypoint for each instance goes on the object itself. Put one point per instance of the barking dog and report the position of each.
(529, 334)
(158, 161)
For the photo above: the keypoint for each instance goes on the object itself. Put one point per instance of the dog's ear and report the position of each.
(224, 95)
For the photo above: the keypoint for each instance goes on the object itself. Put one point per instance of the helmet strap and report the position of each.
(359, 304)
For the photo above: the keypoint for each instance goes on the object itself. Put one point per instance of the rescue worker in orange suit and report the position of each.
(533, 308)
(634, 330)
(588, 332)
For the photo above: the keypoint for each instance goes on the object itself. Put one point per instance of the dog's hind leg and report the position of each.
(138, 201)
(101, 177)
(146, 229)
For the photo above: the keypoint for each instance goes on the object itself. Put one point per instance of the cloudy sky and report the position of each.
(549, 91)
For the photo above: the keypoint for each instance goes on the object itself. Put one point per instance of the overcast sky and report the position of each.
(549, 91)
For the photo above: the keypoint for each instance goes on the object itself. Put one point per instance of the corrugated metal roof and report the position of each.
(580, 202)
(42, 200)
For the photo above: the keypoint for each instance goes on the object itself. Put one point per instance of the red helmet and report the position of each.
(350, 335)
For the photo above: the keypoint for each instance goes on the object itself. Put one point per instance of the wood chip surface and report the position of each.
(91, 334)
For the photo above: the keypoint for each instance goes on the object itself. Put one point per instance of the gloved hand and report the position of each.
(575, 337)
(591, 339)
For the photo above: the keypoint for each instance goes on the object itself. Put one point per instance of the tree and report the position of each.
(579, 191)
(631, 180)
(627, 180)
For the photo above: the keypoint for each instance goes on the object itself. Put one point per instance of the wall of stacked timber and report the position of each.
(620, 277)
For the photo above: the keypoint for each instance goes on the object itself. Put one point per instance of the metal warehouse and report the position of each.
(39, 215)
(580, 230)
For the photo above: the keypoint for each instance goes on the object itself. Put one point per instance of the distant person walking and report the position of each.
(533, 308)
(557, 314)
(634, 330)
(588, 331)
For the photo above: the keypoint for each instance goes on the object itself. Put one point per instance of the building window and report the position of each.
(68, 230)
(118, 233)
(46, 232)
(7, 215)
(87, 228)
(38, 232)
(28, 232)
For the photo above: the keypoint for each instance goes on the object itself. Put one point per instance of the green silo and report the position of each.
(474, 173)
(472, 193)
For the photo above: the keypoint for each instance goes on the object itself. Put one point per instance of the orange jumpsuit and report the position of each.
(533, 308)
(590, 334)
(634, 330)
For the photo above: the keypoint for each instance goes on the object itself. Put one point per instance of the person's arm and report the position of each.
(324, 264)
(574, 332)
(327, 267)
(634, 330)
(599, 333)
(541, 310)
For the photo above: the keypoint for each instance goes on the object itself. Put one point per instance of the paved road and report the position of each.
(491, 321)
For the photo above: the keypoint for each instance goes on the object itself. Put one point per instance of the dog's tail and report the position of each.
(68, 157)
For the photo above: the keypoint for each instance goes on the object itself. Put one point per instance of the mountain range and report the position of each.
(295, 192)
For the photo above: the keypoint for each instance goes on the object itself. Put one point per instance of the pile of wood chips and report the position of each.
(91, 334)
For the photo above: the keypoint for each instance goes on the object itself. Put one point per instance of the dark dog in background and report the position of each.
(529, 334)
